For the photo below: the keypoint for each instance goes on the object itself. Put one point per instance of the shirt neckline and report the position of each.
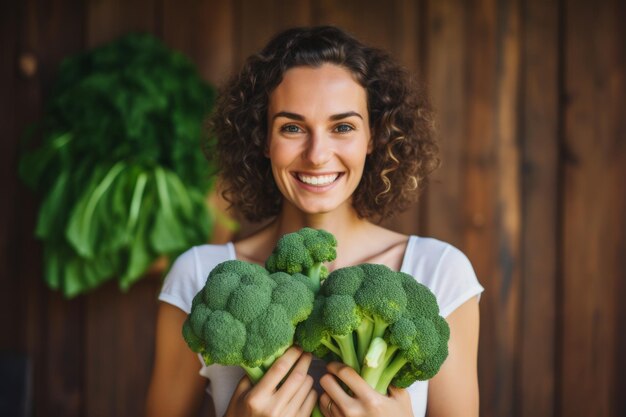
(405, 258)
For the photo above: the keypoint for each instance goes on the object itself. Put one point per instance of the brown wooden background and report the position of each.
(531, 98)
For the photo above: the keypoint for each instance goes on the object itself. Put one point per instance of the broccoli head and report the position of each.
(246, 316)
(304, 252)
(382, 323)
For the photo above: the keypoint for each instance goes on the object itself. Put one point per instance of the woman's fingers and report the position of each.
(350, 377)
(297, 380)
(285, 387)
(279, 370)
(335, 402)
(243, 386)
(297, 401)
(398, 393)
(308, 404)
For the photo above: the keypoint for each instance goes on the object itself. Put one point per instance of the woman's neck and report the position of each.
(343, 223)
(358, 240)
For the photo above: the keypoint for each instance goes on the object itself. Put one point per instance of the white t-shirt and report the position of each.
(438, 265)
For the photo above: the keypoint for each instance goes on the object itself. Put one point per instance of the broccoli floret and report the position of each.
(382, 323)
(246, 316)
(303, 254)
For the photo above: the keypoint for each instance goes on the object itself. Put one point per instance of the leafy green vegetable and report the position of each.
(119, 168)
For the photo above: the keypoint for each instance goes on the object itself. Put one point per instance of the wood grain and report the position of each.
(593, 216)
(540, 131)
(447, 60)
(204, 31)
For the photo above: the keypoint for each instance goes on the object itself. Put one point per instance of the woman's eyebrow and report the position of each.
(295, 116)
(289, 115)
(345, 115)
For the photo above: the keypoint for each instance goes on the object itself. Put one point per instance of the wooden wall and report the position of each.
(530, 98)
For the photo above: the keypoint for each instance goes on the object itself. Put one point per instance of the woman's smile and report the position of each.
(318, 137)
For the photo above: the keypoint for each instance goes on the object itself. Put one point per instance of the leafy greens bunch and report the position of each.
(120, 169)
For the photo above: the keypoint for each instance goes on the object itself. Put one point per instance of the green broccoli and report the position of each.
(304, 252)
(246, 316)
(382, 323)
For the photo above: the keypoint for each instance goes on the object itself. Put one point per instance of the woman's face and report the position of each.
(318, 137)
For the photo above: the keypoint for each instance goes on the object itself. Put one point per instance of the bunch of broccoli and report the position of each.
(382, 323)
(246, 315)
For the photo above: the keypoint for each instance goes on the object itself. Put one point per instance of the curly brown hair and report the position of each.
(404, 151)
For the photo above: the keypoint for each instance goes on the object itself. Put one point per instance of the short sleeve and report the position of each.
(444, 269)
(189, 272)
(456, 281)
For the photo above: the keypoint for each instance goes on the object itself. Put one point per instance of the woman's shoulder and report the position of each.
(444, 269)
(202, 258)
(189, 272)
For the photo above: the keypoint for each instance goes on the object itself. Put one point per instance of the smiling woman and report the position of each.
(396, 113)
(318, 130)
(318, 137)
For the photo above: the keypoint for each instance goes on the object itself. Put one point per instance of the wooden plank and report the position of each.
(492, 207)
(508, 204)
(118, 336)
(617, 206)
(407, 46)
(204, 31)
(63, 354)
(371, 21)
(446, 77)
(110, 19)
(258, 21)
(120, 343)
(52, 332)
(540, 130)
(594, 206)
(618, 89)
(12, 337)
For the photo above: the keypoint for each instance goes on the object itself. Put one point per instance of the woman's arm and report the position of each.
(176, 388)
(454, 390)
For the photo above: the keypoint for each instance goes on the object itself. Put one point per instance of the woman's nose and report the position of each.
(318, 150)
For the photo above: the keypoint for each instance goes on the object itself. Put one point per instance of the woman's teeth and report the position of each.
(318, 180)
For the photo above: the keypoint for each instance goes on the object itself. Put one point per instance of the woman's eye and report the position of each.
(290, 129)
(344, 128)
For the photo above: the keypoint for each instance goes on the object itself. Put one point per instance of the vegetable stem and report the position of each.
(135, 204)
(390, 372)
(255, 373)
(348, 352)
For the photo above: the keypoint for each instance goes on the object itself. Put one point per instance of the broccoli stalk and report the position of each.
(303, 254)
(257, 372)
(382, 323)
(382, 364)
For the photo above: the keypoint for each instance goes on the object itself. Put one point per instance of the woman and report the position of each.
(319, 130)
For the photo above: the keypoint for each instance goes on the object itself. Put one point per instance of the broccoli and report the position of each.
(382, 323)
(246, 316)
(304, 252)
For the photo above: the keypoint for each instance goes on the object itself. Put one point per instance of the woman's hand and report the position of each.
(269, 398)
(365, 402)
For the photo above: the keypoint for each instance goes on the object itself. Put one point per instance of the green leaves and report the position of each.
(120, 169)
(125, 219)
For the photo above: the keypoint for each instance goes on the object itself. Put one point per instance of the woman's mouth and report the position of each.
(318, 180)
